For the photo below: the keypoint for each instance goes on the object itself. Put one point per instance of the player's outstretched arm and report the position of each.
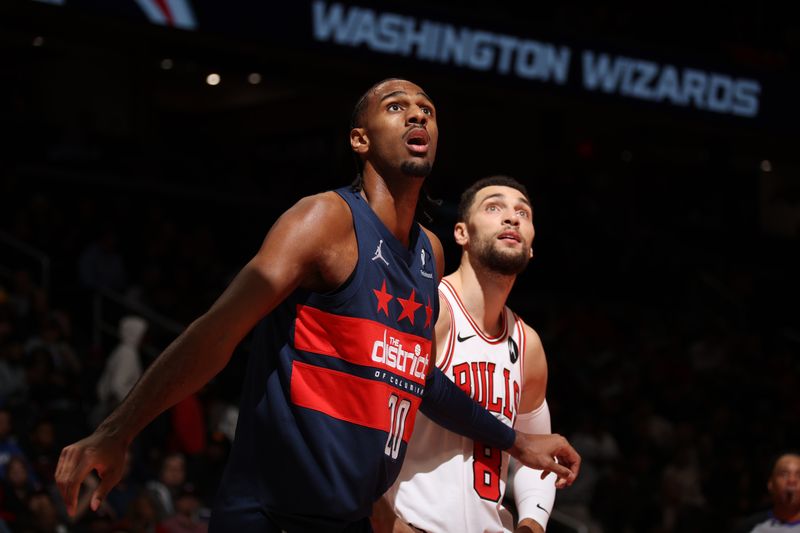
(294, 253)
(447, 405)
(534, 496)
(558, 448)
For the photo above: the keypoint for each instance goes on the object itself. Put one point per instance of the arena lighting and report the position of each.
(38, 41)
(167, 64)
(213, 79)
(766, 165)
(254, 78)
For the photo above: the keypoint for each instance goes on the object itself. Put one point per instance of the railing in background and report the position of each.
(17, 254)
(109, 307)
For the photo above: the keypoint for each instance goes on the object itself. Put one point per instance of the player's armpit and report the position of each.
(442, 335)
(385, 520)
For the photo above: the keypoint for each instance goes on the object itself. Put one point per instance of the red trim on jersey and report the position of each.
(481, 334)
(363, 342)
(346, 397)
(451, 337)
(522, 342)
(522, 346)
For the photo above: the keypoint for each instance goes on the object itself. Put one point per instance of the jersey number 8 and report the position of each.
(486, 463)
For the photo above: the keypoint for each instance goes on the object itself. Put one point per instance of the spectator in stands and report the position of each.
(44, 515)
(171, 478)
(123, 367)
(13, 385)
(142, 515)
(42, 450)
(46, 386)
(126, 491)
(188, 427)
(52, 338)
(8, 442)
(16, 490)
(187, 517)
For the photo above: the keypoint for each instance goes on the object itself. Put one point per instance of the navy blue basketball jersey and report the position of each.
(333, 385)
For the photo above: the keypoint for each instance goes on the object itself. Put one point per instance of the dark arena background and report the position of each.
(148, 145)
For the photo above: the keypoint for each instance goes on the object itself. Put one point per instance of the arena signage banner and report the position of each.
(329, 26)
(510, 55)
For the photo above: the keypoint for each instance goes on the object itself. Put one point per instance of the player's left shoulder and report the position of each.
(534, 350)
(437, 250)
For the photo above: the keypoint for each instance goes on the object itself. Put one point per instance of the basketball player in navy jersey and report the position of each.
(784, 491)
(342, 296)
(449, 482)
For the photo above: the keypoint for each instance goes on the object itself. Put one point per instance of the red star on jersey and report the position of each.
(383, 298)
(428, 313)
(410, 307)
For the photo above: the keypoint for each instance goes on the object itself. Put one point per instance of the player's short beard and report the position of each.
(417, 169)
(504, 262)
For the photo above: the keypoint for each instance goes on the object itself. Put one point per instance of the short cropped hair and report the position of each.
(468, 196)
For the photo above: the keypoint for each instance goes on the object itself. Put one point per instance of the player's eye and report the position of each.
(394, 107)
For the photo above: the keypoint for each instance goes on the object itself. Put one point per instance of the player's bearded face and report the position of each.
(506, 261)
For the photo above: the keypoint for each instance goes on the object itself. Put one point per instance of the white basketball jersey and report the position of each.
(449, 482)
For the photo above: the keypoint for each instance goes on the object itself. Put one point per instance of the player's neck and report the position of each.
(394, 201)
(483, 292)
(786, 514)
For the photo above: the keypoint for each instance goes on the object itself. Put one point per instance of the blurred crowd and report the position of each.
(678, 392)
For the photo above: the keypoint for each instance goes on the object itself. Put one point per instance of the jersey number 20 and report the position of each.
(486, 463)
(398, 411)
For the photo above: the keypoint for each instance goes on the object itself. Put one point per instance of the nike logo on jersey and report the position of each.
(543, 509)
(462, 339)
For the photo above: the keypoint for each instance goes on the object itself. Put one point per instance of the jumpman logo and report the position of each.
(379, 254)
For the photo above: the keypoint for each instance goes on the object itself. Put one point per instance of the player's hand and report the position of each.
(96, 452)
(528, 525)
(549, 453)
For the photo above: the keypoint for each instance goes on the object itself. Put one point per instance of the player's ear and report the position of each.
(359, 140)
(460, 233)
(531, 253)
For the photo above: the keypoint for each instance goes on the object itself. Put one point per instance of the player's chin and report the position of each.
(416, 167)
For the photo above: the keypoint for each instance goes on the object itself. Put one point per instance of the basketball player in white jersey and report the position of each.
(450, 483)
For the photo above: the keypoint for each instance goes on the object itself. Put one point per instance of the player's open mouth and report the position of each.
(417, 140)
(510, 236)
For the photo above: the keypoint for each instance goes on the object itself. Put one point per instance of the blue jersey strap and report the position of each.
(450, 407)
